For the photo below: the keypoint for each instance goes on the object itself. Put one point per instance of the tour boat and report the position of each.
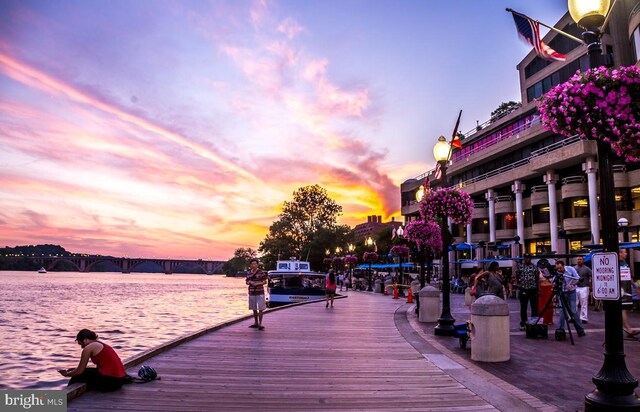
(42, 270)
(293, 282)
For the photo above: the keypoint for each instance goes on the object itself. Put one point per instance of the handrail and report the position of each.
(555, 146)
(619, 168)
(481, 205)
(536, 120)
(505, 198)
(495, 172)
(541, 188)
(573, 179)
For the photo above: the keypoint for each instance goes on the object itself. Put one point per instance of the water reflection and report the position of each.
(41, 314)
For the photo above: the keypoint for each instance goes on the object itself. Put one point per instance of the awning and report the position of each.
(385, 266)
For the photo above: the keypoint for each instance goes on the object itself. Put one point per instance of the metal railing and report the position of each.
(541, 188)
(619, 168)
(573, 179)
(555, 146)
(506, 198)
(503, 136)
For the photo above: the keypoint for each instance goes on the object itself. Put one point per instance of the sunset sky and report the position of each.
(177, 128)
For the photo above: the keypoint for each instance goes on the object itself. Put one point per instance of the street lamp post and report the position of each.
(441, 152)
(369, 243)
(351, 247)
(615, 386)
(400, 232)
(623, 224)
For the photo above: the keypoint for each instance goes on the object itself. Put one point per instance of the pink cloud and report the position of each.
(290, 28)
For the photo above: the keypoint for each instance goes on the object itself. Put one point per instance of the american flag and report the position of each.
(438, 173)
(529, 31)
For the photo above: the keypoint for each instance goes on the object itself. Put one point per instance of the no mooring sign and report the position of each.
(606, 276)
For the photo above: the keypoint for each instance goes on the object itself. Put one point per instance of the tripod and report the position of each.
(568, 313)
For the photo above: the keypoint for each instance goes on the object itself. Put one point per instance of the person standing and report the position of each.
(493, 279)
(527, 275)
(330, 289)
(582, 288)
(256, 279)
(625, 277)
(569, 281)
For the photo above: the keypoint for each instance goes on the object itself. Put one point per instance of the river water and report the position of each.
(40, 314)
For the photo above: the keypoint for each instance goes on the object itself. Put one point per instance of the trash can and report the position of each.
(429, 304)
(490, 330)
(377, 286)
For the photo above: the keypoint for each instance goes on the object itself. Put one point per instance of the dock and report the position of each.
(363, 354)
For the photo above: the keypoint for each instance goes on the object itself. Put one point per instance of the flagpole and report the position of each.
(546, 25)
(453, 136)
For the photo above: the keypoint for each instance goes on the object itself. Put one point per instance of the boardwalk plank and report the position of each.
(307, 358)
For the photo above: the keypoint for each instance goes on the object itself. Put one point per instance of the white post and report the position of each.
(491, 197)
(590, 168)
(550, 179)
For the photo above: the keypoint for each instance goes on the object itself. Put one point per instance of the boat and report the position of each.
(292, 282)
(42, 270)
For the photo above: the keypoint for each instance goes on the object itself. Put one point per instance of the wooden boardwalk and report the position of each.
(351, 357)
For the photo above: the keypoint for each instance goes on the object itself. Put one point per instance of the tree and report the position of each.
(310, 214)
(240, 261)
(504, 109)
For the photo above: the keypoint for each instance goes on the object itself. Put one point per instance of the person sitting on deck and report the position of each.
(109, 375)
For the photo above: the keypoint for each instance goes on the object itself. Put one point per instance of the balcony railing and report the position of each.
(457, 156)
(573, 179)
(555, 146)
(541, 188)
(506, 198)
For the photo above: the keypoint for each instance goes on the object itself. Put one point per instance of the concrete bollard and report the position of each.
(490, 330)
(388, 287)
(429, 304)
(376, 286)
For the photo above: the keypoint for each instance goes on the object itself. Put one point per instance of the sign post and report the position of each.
(606, 276)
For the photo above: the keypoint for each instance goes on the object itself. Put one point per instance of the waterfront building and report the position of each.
(373, 226)
(532, 188)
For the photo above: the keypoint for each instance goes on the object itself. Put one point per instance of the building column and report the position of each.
(551, 179)
(518, 188)
(491, 198)
(590, 167)
(469, 233)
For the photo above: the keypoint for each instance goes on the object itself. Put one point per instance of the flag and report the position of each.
(456, 142)
(438, 173)
(529, 31)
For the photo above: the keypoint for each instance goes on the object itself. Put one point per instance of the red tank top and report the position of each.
(108, 362)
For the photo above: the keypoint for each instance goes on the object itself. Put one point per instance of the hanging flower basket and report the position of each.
(337, 260)
(597, 104)
(400, 251)
(370, 257)
(426, 235)
(327, 261)
(350, 260)
(452, 202)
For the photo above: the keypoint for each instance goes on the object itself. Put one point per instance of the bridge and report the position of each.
(127, 265)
